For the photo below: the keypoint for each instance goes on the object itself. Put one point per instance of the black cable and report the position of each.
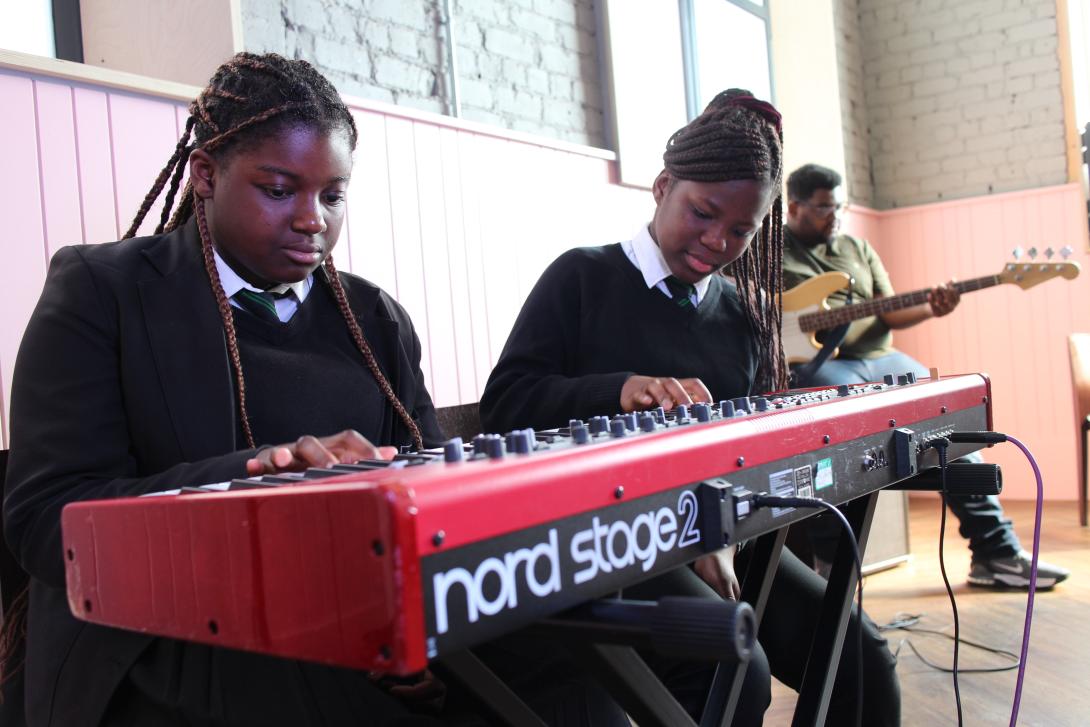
(994, 438)
(941, 444)
(813, 502)
(909, 621)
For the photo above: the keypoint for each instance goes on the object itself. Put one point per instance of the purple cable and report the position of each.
(1032, 579)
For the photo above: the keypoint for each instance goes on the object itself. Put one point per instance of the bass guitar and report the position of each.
(806, 310)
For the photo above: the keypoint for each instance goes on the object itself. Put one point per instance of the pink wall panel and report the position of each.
(531, 238)
(144, 132)
(369, 249)
(405, 225)
(470, 185)
(502, 208)
(24, 236)
(431, 197)
(61, 204)
(1017, 336)
(461, 310)
(861, 222)
(94, 150)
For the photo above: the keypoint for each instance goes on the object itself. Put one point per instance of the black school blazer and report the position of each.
(123, 386)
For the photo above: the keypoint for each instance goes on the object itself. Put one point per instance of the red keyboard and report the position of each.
(384, 565)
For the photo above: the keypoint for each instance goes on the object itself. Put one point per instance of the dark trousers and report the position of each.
(219, 687)
(689, 681)
(787, 628)
(980, 517)
(236, 688)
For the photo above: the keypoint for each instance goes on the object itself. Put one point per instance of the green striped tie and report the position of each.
(261, 305)
(682, 293)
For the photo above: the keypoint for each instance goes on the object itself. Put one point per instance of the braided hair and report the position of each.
(249, 99)
(739, 137)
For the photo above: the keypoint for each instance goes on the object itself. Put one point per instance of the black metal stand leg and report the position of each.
(825, 650)
(506, 707)
(1085, 468)
(727, 686)
(631, 682)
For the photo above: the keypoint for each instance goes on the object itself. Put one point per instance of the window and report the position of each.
(48, 28)
(726, 46)
(27, 27)
(665, 59)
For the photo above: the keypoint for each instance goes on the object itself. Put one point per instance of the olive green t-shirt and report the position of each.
(867, 337)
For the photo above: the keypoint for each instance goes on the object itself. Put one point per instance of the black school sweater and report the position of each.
(591, 322)
(306, 376)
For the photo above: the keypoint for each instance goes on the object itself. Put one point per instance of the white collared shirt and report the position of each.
(645, 254)
(285, 306)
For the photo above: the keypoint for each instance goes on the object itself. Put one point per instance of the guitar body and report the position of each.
(807, 297)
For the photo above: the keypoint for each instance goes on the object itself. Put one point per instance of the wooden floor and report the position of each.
(1056, 692)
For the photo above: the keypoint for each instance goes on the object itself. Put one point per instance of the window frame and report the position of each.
(690, 62)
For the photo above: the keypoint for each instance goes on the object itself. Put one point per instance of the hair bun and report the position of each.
(745, 99)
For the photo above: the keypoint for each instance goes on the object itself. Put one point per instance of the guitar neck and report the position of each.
(846, 314)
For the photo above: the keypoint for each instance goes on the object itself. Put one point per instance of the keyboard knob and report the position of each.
(761, 403)
(630, 421)
(703, 412)
(889, 379)
(493, 445)
(580, 434)
(617, 428)
(741, 404)
(902, 380)
(647, 422)
(523, 442)
(598, 424)
(726, 408)
(453, 450)
(911, 376)
(843, 390)
(681, 414)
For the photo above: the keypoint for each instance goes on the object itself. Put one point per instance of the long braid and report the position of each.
(227, 314)
(758, 272)
(235, 110)
(740, 137)
(184, 210)
(176, 164)
(368, 356)
(179, 170)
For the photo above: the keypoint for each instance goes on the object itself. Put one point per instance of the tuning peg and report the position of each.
(1017, 253)
(1032, 252)
(1066, 252)
(1049, 252)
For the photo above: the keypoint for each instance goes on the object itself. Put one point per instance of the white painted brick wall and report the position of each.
(853, 107)
(527, 65)
(960, 98)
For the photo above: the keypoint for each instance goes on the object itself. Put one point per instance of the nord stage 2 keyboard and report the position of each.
(385, 565)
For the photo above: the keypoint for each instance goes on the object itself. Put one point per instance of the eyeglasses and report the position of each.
(826, 209)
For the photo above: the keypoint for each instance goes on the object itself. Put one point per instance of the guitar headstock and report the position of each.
(1026, 275)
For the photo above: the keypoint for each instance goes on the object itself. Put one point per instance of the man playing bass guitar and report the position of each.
(813, 246)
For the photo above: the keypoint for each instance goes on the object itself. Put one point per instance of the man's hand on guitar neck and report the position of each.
(941, 300)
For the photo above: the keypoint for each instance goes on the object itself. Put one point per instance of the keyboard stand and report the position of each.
(642, 694)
